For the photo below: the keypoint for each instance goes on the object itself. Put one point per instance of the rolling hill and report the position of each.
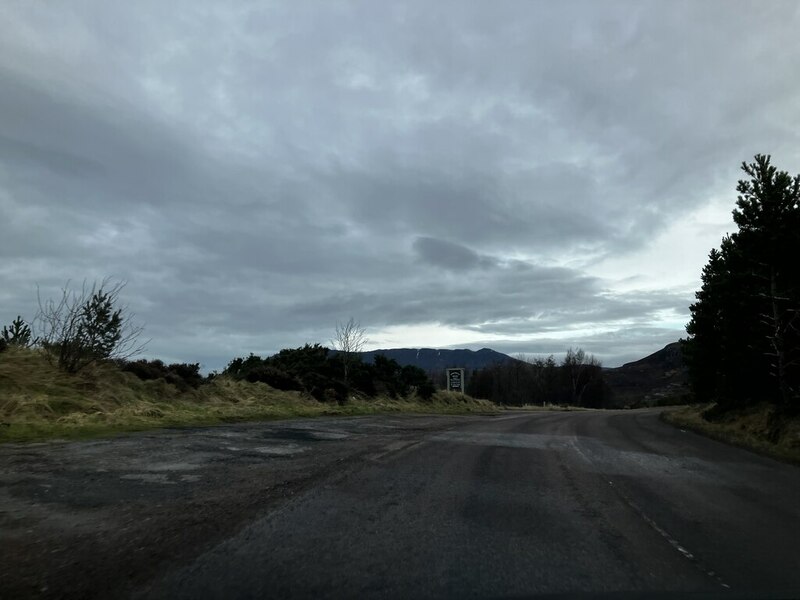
(430, 359)
(651, 379)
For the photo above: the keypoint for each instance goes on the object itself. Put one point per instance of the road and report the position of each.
(516, 505)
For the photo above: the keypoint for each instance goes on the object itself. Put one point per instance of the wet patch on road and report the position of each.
(308, 435)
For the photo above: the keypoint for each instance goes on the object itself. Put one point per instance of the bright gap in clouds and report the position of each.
(421, 336)
(676, 256)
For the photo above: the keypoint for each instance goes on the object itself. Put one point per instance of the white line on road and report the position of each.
(671, 540)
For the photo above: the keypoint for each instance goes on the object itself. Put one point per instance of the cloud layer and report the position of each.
(495, 174)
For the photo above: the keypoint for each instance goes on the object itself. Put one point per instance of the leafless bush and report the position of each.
(87, 325)
(349, 340)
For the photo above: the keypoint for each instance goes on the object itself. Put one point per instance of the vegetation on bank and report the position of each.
(760, 428)
(75, 376)
(332, 377)
(39, 401)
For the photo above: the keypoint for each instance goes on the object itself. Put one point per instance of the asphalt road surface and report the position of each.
(610, 503)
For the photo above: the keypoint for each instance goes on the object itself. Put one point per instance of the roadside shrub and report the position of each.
(3, 345)
(273, 377)
(318, 371)
(308, 358)
(239, 367)
(397, 381)
(325, 389)
(18, 334)
(415, 379)
(184, 376)
(86, 326)
(426, 390)
(143, 369)
(189, 373)
(361, 378)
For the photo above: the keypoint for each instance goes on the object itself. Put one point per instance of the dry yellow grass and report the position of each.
(756, 428)
(38, 401)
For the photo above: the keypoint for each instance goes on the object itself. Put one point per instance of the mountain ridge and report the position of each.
(658, 376)
(432, 359)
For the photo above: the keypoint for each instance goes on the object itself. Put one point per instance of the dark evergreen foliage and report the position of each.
(181, 375)
(273, 377)
(100, 326)
(744, 332)
(17, 334)
(318, 371)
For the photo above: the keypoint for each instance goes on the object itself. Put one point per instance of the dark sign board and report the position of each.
(455, 380)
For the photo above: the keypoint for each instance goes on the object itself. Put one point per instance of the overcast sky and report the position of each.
(526, 176)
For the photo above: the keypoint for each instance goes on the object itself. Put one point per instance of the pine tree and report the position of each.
(744, 343)
(18, 334)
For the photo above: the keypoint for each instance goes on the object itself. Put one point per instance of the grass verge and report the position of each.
(758, 428)
(39, 402)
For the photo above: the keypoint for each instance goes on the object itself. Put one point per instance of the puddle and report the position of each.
(282, 450)
(149, 478)
(306, 435)
(176, 466)
(329, 435)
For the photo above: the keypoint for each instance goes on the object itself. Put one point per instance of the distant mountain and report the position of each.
(430, 359)
(656, 377)
(669, 357)
(646, 381)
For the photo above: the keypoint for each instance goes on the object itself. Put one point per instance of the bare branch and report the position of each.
(349, 340)
(85, 326)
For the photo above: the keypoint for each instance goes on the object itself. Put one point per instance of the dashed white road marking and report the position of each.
(670, 540)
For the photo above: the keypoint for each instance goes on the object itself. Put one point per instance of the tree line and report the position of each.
(576, 381)
(744, 332)
(332, 376)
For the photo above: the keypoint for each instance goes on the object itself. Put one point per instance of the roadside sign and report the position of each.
(455, 380)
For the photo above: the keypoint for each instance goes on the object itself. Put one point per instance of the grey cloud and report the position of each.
(449, 255)
(513, 299)
(258, 171)
(22, 153)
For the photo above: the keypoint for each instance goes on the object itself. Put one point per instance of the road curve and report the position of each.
(517, 506)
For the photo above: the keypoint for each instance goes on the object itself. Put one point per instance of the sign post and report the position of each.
(455, 380)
